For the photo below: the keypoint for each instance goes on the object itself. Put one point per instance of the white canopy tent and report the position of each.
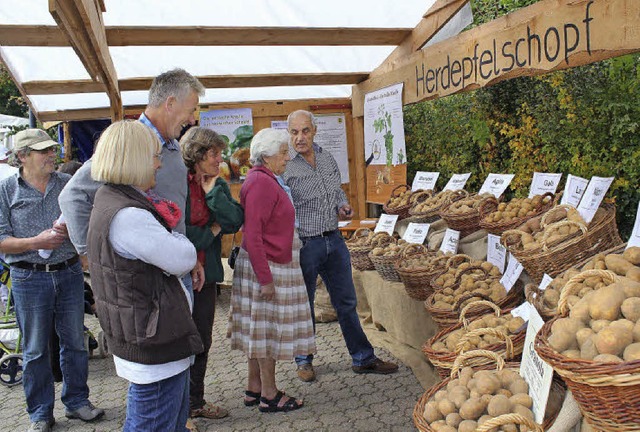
(245, 50)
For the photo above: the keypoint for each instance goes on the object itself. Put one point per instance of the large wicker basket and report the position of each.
(468, 222)
(553, 408)
(433, 213)
(417, 282)
(401, 211)
(602, 234)
(500, 227)
(510, 348)
(386, 265)
(360, 253)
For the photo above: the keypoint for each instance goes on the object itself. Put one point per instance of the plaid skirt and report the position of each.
(279, 329)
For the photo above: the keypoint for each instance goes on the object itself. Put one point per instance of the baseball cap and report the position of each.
(35, 139)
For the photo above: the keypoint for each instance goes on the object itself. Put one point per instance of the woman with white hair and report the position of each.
(270, 314)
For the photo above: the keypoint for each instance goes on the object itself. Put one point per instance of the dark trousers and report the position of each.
(204, 307)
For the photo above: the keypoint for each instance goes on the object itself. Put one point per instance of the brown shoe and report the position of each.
(191, 426)
(306, 372)
(210, 411)
(376, 367)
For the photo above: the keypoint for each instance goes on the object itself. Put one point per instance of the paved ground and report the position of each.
(338, 401)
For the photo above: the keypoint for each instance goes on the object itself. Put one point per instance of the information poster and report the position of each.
(385, 154)
(332, 136)
(573, 190)
(543, 183)
(235, 126)
(496, 184)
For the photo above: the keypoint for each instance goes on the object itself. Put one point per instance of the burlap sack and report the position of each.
(474, 245)
(436, 234)
(324, 310)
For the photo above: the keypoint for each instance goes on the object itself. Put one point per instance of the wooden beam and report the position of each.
(81, 22)
(80, 114)
(40, 35)
(220, 81)
(546, 36)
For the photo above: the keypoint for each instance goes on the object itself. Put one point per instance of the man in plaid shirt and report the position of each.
(314, 179)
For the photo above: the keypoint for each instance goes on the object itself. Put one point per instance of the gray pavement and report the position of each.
(339, 400)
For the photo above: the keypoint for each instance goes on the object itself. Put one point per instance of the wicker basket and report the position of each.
(433, 213)
(500, 227)
(386, 265)
(557, 390)
(360, 253)
(417, 282)
(448, 317)
(602, 234)
(608, 393)
(402, 211)
(469, 222)
(510, 348)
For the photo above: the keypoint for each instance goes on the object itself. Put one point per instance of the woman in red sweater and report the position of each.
(270, 314)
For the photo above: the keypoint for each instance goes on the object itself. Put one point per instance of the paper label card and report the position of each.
(593, 196)
(496, 184)
(512, 273)
(634, 240)
(450, 241)
(424, 180)
(543, 183)
(416, 232)
(496, 253)
(523, 311)
(546, 280)
(573, 190)
(457, 182)
(534, 370)
(386, 223)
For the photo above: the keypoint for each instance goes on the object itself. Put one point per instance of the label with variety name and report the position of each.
(416, 232)
(634, 240)
(534, 370)
(512, 273)
(496, 184)
(543, 183)
(496, 253)
(593, 196)
(424, 180)
(573, 190)
(450, 241)
(386, 223)
(544, 283)
(457, 182)
(523, 311)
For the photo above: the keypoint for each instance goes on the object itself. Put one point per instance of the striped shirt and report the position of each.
(316, 192)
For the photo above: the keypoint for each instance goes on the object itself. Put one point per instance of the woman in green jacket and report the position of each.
(211, 211)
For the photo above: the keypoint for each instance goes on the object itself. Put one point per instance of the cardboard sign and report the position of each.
(523, 311)
(496, 184)
(424, 180)
(573, 190)
(634, 240)
(496, 253)
(543, 183)
(512, 273)
(534, 370)
(450, 241)
(457, 182)
(593, 196)
(544, 283)
(416, 232)
(386, 223)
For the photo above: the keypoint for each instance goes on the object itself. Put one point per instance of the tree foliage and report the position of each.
(11, 102)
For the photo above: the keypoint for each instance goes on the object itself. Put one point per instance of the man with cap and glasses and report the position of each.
(47, 288)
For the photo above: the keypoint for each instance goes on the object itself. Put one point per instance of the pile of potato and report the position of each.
(467, 205)
(390, 250)
(448, 278)
(506, 324)
(427, 263)
(517, 208)
(476, 397)
(547, 230)
(491, 287)
(432, 203)
(400, 200)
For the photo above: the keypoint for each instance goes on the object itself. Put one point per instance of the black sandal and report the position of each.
(254, 395)
(273, 404)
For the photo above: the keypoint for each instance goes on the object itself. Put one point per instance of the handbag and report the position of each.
(233, 255)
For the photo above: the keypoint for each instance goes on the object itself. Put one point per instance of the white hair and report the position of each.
(267, 142)
(314, 121)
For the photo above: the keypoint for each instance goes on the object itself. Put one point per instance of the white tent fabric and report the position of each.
(61, 63)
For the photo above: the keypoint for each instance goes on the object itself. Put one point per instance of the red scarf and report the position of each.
(169, 210)
(198, 211)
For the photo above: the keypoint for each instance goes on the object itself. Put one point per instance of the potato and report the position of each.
(580, 310)
(632, 352)
(453, 419)
(623, 323)
(498, 405)
(631, 308)
(607, 358)
(438, 425)
(431, 412)
(573, 353)
(636, 332)
(606, 302)
(522, 399)
(633, 273)
(440, 395)
(588, 349)
(484, 418)
(632, 254)
(513, 325)
(446, 407)
(563, 340)
(631, 287)
(486, 382)
(507, 376)
(617, 264)
(613, 340)
(598, 325)
(472, 409)
(570, 325)
(523, 411)
(467, 426)
(583, 334)
(458, 395)
(519, 386)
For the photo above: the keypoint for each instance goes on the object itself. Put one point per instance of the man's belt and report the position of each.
(324, 234)
(46, 267)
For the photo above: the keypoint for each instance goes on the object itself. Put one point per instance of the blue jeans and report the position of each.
(40, 299)
(161, 406)
(329, 257)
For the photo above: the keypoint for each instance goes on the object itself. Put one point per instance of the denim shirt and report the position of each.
(26, 212)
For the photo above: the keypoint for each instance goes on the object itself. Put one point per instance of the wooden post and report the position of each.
(66, 131)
